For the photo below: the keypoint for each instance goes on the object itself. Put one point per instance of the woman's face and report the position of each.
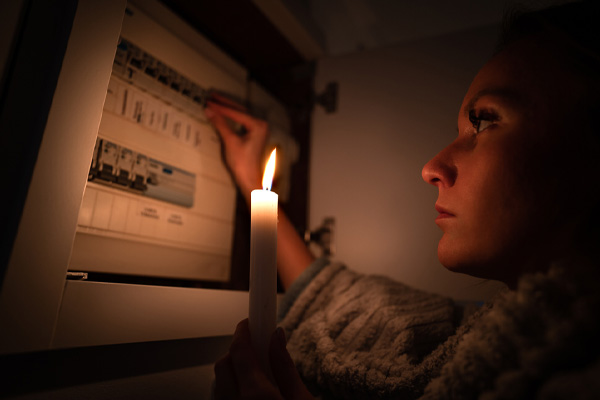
(511, 184)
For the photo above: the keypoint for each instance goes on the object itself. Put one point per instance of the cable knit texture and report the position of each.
(364, 337)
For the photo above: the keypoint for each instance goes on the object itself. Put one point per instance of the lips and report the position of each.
(443, 213)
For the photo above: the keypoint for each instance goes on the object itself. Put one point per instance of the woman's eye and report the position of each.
(482, 125)
(482, 120)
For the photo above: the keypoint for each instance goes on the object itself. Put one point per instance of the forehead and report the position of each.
(506, 95)
(528, 72)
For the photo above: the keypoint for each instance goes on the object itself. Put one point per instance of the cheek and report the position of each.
(497, 207)
(543, 183)
(520, 199)
(492, 224)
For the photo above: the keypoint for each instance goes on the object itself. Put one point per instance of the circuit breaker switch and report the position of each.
(139, 183)
(125, 166)
(107, 159)
(139, 172)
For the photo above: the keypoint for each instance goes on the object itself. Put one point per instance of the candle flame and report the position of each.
(269, 172)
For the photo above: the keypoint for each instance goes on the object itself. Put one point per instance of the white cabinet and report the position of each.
(62, 229)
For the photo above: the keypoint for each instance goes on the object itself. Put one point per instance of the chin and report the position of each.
(463, 262)
(473, 261)
(477, 271)
(449, 255)
(454, 266)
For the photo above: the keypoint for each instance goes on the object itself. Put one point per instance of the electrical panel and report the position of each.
(158, 202)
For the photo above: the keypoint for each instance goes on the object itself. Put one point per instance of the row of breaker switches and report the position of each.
(120, 165)
(131, 60)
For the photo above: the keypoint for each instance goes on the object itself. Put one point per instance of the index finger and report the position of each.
(225, 385)
(244, 358)
(238, 116)
(215, 97)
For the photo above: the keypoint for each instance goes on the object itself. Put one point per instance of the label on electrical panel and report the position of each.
(129, 170)
(171, 184)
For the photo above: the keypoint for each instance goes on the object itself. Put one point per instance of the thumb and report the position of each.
(284, 371)
(222, 128)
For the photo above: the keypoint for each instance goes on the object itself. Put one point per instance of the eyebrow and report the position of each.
(509, 95)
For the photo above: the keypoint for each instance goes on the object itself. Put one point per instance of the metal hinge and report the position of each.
(323, 237)
(328, 98)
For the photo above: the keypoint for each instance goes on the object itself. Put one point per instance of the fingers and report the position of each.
(218, 98)
(223, 128)
(257, 130)
(286, 375)
(225, 382)
(252, 380)
(243, 154)
(238, 374)
(253, 124)
(245, 361)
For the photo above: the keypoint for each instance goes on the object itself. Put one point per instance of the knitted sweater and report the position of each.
(363, 337)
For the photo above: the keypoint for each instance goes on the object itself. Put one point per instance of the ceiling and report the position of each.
(353, 25)
(271, 36)
(336, 26)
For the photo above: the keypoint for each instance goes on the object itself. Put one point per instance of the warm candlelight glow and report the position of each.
(269, 172)
(262, 315)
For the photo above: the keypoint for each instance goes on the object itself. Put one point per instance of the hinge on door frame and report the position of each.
(328, 98)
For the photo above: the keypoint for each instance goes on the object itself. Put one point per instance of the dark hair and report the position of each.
(571, 27)
(572, 32)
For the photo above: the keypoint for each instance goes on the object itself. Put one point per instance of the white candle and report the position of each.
(263, 265)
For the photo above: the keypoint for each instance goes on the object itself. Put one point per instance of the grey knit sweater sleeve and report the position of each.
(357, 336)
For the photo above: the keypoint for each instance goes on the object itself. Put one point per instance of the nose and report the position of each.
(441, 170)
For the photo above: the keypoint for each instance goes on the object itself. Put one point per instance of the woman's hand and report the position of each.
(243, 154)
(239, 375)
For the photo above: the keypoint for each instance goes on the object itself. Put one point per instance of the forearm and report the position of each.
(293, 256)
